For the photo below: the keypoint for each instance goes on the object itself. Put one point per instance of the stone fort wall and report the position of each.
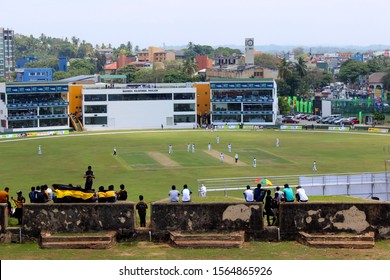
(312, 217)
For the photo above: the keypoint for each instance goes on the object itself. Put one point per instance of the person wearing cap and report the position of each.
(19, 201)
(288, 193)
(301, 195)
(4, 198)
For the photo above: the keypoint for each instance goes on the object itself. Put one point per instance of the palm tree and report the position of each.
(189, 66)
(301, 67)
(284, 70)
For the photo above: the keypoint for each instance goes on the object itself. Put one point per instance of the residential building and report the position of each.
(203, 62)
(20, 63)
(34, 74)
(7, 54)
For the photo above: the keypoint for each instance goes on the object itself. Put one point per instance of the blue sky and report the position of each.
(206, 22)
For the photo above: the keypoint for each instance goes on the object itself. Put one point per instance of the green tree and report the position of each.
(301, 67)
(129, 71)
(386, 81)
(284, 69)
(351, 70)
(266, 60)
(189, 67)
(82, 65)
(284, 108)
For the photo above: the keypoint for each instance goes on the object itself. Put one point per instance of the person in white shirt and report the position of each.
(217, 139)
(236, 158)
(193, 148)
(229, 148)
(314, 166)
(188, 147)
(209, 146)
(301, 195)
(203, 190)
(277, 142)
(221, 157)
(254, 162)
(248, 194)
(170, 149)
(174, 194)
(186, 194)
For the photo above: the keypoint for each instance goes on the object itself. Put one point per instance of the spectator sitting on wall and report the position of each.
(186, 194)
(4, 198)
(259, 193)
(31, 195)
(122, 194)
(288, 193)
(174, 194)
(41, 197)
(301, 195)
(102, 194)
(111, 195)
(248, 194)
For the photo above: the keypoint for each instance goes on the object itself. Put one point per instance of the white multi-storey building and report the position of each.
(140, 106)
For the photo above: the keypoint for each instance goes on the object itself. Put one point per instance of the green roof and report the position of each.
(113, 76)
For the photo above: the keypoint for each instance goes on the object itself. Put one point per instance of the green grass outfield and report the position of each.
(65, 158)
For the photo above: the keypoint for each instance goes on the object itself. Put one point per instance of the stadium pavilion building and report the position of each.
(33, 106)
(243, 101)
(139, 106)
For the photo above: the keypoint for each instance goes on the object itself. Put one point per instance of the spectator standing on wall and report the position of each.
(248, 194)
(174, 194)
(89, 176)
(141, 207)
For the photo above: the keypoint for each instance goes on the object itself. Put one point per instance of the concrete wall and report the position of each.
(327, 217)
(77, 217)
(206, 217)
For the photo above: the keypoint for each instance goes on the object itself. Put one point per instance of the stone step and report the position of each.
(85, 238)
(197, 244)
(207, 240)
(360, 241)
(77, 245)
(234, 236)
(101, 240)
(342, 244)
(338, 237)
